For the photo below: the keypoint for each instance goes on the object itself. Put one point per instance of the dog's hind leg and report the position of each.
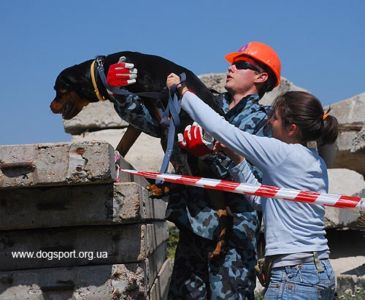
(224, 226)
(218, 203)
(128, 139)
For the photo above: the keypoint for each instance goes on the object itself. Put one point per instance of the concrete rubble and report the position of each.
(63, 211)
(345, 182)
(56, 164)
(351, 142)
(121, 203)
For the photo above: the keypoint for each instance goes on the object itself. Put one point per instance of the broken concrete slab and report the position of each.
(77, 246)
(349, 183)
(160, 287)
(146, 153)
(94, 116)
(102, 204)
(351, 146)
(351, 110)
(350, 285)
(358, 143)
(347, 258)
(56, 164)
(117, 281)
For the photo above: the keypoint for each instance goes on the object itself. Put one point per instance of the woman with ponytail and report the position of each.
(296, 248)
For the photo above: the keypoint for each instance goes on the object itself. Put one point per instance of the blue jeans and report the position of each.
(302, 282)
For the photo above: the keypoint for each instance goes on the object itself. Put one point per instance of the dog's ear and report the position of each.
(62, 82)
(66, 79)
(76, 78)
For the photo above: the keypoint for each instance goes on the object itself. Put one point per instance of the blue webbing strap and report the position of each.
(173, 110)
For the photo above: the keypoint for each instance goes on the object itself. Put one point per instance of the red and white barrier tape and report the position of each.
(340, 201)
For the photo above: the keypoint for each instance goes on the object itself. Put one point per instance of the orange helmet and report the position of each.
(261, 53)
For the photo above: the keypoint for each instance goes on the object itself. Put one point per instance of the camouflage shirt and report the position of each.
(189, 207)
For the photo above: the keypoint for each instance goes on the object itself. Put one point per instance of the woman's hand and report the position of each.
(230, 153)
(174, 80)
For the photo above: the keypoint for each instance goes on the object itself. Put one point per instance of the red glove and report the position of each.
(121, 74)
(195, 141)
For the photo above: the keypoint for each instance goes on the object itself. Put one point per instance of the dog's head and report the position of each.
(74, 90)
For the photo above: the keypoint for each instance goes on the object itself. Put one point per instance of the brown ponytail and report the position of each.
(329, 130)
(306, 111)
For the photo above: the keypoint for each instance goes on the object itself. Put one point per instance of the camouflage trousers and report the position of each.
(232, 276)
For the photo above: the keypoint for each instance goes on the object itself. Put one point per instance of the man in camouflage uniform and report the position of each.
(254, 70)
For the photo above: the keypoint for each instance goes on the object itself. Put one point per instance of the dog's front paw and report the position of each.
(158, 191)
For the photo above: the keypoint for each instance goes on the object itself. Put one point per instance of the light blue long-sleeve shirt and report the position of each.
(290, 227)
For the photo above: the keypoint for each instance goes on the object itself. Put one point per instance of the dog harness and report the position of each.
(170, 116)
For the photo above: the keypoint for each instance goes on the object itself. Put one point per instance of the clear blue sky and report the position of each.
(321, 44)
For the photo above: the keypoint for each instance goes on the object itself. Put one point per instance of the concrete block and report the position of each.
(77, 246)
(95, 116)
(350, 143)
(359, 141)
(146, 153)
(133, 202)
(160, 287)
(56, 164)
(347, 258)
(78, 206)
(345, 182)
(103, 282)
(350, 283)
(126, 177)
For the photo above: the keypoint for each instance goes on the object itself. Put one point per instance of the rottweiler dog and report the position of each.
(81, 84)
(75, 89)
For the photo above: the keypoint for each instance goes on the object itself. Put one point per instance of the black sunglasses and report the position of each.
(244, 65)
